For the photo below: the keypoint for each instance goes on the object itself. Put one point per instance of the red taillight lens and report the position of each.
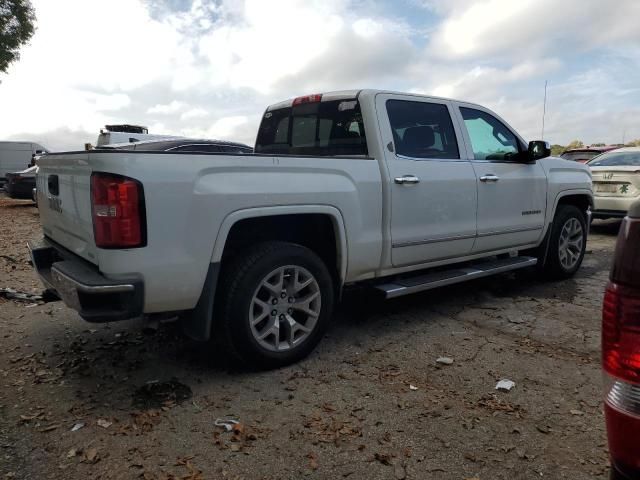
(316, 97)
(621, 332)
(117, 204)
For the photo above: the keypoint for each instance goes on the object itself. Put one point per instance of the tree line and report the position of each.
(557, 149)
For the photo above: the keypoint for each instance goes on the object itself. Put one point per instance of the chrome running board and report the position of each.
(419, 283)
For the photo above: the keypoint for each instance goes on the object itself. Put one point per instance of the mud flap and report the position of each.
(196, 324)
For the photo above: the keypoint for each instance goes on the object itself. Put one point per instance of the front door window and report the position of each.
(490, 138)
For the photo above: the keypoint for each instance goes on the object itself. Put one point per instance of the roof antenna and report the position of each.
(544, 109)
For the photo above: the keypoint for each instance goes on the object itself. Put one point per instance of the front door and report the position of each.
(512, 192)
(432, 188)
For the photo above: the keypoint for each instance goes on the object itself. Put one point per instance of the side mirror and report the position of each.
(538, 149)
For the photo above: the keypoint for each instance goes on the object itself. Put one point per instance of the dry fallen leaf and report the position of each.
(49, 428)
(383, 458)
(313, 461)
(104, 423)
(91, 455)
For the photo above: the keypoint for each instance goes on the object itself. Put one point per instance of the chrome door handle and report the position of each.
(407, 180)
(489, 177)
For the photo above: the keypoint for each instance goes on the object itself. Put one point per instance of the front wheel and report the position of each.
(567, 243)
(277, 299)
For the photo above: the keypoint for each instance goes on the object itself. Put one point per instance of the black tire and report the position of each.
(553, 267)
(240, 278)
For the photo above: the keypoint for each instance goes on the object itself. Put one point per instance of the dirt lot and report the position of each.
(370, 403)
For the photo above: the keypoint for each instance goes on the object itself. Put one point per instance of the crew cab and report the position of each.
(397, 192)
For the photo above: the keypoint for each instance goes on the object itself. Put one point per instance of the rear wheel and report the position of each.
(567, 243)
(277, 300)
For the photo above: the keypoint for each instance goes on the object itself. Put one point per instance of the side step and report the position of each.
(408, 285)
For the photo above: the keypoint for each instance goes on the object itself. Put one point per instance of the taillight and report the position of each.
(117, 205)
(316, 97)
(621, 352)
(621, 332)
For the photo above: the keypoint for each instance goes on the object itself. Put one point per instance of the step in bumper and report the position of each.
(82, 287)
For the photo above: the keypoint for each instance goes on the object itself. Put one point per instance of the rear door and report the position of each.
(432, 188)
(64, 202)
(512, 193)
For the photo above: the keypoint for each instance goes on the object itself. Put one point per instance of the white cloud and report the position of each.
(194, 113)
(167, 108)
(227, 126)
(211, 68)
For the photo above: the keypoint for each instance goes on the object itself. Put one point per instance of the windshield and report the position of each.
(580, 156)
(321, 129)
(617, 159)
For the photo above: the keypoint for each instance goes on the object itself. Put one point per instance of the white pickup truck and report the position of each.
(399, 192)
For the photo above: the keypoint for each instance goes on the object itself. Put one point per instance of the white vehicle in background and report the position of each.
(616, 182)
(115, 134)
(397, 192)
(16, 156)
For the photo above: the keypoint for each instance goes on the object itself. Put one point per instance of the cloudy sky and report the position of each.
(209, 68)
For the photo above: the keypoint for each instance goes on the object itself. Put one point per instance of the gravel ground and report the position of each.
(370, 403)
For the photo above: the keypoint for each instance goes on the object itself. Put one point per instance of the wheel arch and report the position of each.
(582, 199)
(297, 215)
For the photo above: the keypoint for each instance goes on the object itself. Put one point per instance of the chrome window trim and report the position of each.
(510, 162)
(422, 159)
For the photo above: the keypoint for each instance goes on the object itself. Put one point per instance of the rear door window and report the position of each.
(422, 130)
(329, 128)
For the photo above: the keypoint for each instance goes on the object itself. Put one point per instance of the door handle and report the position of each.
(489, 177)
(407, 180)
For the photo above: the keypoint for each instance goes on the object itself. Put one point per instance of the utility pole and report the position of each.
(544, 109)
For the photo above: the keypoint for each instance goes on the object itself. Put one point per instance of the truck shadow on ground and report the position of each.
(606, 227)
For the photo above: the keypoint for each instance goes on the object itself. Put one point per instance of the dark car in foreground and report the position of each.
(183, 145)
(583, 155)
(21, 184)
(621, 351)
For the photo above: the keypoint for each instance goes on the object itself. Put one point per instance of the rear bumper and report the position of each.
(83, 288)
(611, 206)
(609, 213)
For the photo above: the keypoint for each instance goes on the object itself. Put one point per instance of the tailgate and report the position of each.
(616, 181)
(63, 184)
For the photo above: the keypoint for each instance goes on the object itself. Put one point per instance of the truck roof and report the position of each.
(351, 94)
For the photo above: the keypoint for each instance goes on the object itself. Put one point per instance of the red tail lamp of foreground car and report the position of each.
(117, 205)
(621, 351)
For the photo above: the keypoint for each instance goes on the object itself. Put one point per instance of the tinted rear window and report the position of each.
(422, 130)
(579, 156)
(320, 129)
(617, 159)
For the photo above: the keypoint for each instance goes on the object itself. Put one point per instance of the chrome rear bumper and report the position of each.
(82, 287)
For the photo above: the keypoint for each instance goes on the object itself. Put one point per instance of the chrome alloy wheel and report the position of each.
(285, 308)
(571, 243)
